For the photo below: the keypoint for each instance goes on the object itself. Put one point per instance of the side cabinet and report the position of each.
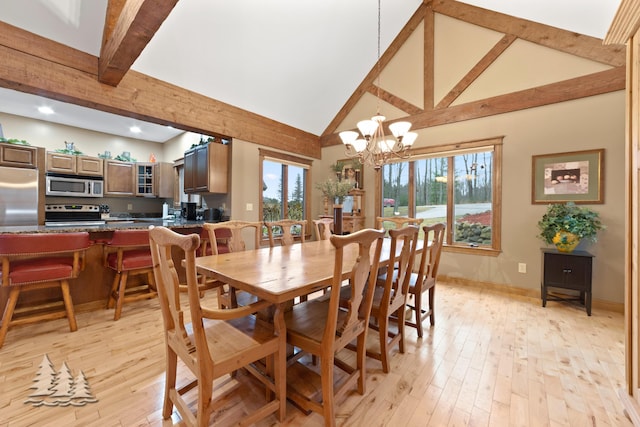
(571, 271)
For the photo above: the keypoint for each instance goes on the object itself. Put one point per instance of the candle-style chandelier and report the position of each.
(373, 147)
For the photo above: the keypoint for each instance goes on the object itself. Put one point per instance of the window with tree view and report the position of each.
(285, 187)
(456, 185)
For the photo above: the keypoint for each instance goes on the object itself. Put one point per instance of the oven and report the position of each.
(72, 215)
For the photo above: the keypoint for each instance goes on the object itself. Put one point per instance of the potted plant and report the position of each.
(337, 168)
(335, 191)
(565, 224)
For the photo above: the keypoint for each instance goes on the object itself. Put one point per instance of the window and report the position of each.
(285, 187)
(457, 184)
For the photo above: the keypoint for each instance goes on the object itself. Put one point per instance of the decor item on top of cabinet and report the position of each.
(565, 224)
(14, 141)
(337, 168)
(69, 148)
(105, 155)
(125, 157)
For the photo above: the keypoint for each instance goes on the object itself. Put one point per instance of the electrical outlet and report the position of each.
(249, 206)
(129, 206)
(522, 267)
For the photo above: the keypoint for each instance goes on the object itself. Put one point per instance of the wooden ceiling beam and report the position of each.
(129, 26)
(580, 87)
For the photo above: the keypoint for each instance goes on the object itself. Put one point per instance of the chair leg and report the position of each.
(114, 289)
(432, 305)
(327, 390)
(383, 331)
(8, 312)
(401, 317)
(361, 356)
(169, 383)
(68, 305)
(417, 310)
(120, 296)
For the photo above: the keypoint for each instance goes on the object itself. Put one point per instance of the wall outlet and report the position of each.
(249, 206)
(522, 267)
(129, 206)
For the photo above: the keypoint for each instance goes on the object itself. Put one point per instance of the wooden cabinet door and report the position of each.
(206, 169)
(61, 163)
(18, 156)
(201, 175)
(218, 164)
(119, 178)
(86, 165)
(189, 171)
(146, 179)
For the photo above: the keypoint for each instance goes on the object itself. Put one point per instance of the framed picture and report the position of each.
(568, 177)
(352, 171)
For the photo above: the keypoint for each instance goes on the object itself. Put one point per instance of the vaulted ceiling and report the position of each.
(287, 66)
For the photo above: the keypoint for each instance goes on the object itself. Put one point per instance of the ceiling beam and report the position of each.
(128, 28)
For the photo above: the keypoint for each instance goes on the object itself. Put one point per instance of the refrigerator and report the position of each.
(18, 196)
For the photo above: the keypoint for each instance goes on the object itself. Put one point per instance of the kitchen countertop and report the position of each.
(111, 225)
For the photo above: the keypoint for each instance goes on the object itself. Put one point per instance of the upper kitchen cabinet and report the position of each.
(119, 178)
(21, 156)
(154, 180)
(74, 165)
(206, 168)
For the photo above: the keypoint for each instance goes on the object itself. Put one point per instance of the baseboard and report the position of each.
(631, 409)
(525, 293)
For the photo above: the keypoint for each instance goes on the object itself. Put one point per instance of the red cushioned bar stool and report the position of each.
(38, 261)
(128, 254)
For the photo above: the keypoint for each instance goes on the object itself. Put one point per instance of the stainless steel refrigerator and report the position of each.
(18, 196)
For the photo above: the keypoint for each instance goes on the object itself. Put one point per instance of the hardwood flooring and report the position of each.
(491, 360)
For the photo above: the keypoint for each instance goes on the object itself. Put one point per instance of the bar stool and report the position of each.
(37, 261)
(128, 254)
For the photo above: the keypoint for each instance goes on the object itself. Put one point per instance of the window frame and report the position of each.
(286, 160)
(449, 151)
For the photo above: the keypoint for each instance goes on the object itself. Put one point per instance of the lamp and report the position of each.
(373, 147)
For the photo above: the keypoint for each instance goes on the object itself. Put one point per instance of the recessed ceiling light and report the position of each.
(135, 129)
(45, 110)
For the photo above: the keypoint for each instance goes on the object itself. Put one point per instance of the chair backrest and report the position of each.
(362, 278)
(323, 228)
(287, 229)
(28, 248)
(236, 242)
(396, 285)
(430, 258)
(118, 248)
(395, 222)
(161, 241)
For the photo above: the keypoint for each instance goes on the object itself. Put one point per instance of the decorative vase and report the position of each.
(337, 219)
(565, 241)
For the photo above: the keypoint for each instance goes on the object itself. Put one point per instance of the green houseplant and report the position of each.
(565, 224)
(335, 189)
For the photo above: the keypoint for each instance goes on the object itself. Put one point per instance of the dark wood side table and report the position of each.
(568, 271)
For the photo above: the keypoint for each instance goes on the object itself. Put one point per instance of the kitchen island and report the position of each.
(90, 291)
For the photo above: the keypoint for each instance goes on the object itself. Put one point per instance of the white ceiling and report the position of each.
(294, 61)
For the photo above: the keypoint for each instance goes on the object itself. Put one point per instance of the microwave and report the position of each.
(74, 186)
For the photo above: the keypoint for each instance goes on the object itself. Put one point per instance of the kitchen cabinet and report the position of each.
(205, 169)
(567, 271)
(74, 165)
(154, 180)
(119, 178)
(20, 156)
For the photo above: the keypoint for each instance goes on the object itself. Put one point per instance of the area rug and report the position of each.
(59, 388)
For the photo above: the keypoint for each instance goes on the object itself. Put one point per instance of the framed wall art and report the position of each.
(568, 177)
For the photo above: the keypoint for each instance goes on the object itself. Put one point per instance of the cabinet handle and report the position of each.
(566, 270)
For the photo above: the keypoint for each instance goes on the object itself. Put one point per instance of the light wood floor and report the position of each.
(491, 360)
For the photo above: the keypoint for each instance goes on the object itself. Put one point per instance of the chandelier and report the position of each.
(371, 146)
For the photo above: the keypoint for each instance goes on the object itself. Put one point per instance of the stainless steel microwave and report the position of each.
(60, 185)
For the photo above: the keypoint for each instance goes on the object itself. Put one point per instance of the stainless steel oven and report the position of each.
(72, 215)
(70, 186)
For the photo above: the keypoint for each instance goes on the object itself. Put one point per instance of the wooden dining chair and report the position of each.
(38, 261)
(320, 327)
(216, 342)
(322, 227)
(395, 222)
(234, 232)
(128, 254)
(424, 279)
(390, 296)
(286, 230)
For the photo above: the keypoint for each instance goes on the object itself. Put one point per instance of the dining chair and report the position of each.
(128, 254)
(390, 296)
(215, 343)
(394, 222)
(424, 279)
(286, 230)
(234, 232)
(38, 261)
(320, 327)
(322, 227)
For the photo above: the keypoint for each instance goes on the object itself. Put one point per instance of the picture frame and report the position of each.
(352, 171)
(576, 176)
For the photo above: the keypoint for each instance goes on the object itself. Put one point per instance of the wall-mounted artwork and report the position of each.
(562, 177)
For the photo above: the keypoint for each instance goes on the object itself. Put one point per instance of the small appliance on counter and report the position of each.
(189, 211)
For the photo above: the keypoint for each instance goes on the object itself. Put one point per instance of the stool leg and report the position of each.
(68, 305)
(113, 293)
(120, 295)
(8, 312)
